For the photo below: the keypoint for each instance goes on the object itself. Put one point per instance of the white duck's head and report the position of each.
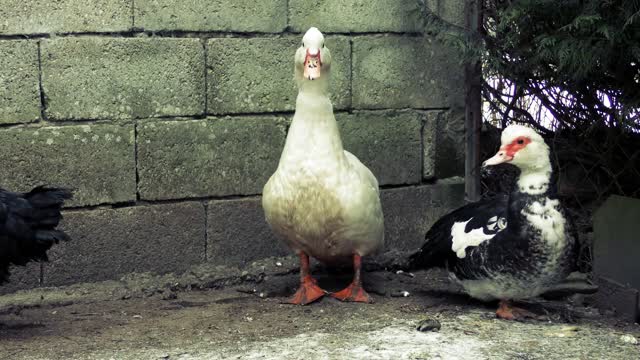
(312, 59)
(522, 147)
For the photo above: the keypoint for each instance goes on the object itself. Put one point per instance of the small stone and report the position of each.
(629, 339)
(429, 325)
(565, 331)
(247, 290)
(171, 295)
(402, 293)
(278, 263)
(137, 316)
(400, 272)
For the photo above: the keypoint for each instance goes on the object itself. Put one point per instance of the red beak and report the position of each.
(312, 64)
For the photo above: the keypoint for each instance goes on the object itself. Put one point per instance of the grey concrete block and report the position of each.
(97, 161)
(452, 11)
(212, 157)
(387, 142)
(212, 15)
(19, 85)
(115, 78)
(616, 247)
(22, 278)
(256, 74)
(443, 139)
(405, 72)
(68, 16)
(237, 233)
(354, 15)
(621, 299)
(409, 212)
(106, 244)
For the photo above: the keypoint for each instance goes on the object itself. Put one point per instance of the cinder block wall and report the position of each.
(168, 116)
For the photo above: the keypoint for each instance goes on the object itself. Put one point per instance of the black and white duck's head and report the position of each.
(522, 147)
(313, 58)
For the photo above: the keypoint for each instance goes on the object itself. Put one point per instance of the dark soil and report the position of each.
(203, 315)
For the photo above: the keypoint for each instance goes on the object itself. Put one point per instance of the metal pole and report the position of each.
(473, 108)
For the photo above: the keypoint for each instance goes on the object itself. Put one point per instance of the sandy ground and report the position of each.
(222, 314)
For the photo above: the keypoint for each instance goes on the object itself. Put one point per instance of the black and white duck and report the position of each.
(514, 246)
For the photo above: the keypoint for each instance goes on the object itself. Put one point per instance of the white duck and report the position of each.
(322, 200)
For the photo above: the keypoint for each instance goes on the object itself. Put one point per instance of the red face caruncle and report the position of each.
(312, 64)
(507, 152)
(517, 144)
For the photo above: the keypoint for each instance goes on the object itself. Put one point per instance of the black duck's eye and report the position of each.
(520, 141)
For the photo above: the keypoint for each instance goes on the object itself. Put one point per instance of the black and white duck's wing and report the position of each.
(453, 234)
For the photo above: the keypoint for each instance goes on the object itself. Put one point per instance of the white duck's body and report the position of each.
(322, 200)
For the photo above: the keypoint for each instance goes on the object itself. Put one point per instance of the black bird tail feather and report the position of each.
(429, 256)
(30, 225)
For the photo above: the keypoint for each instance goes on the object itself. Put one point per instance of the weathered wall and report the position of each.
(168, 116)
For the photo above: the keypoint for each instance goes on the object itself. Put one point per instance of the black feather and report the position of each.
(436, 251)
(27, 225)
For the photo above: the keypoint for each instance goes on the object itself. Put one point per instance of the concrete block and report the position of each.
(97, 161)
(387, 142)
(68, 16)
(256, 74)
(405, 72)
(443, 139)
(354, 15)
(621, 299)
(22, 278)
(409, 212)
(212, 15)
(19, 87)
(116, 78)
(212, 157)
(451, 11)
(237, 233)
(106, 244)
(616, 247)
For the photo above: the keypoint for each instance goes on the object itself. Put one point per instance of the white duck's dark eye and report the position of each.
(323, 45)
(520, 141)
(303, 44)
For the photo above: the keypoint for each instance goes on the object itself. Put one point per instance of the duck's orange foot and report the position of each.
(308, 292)
(354, 292)
(507, 311)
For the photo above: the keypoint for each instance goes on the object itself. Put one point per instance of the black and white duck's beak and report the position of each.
(312, 64)
(499, 158)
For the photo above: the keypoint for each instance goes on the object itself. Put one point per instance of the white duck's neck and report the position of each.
(534, 180)
(314, 131)
(313, 101)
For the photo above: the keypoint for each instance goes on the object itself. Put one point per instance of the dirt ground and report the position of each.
(216, 313)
